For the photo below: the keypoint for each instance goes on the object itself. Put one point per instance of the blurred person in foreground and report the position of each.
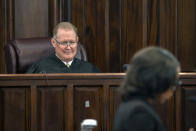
(152, 74)
(65, 42)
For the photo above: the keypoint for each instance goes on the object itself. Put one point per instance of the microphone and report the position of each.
(125, 67)
(42, 72)
(45, 76)
(88, 124)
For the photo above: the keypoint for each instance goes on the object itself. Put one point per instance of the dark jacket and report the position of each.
(137, 115)
(53, 64)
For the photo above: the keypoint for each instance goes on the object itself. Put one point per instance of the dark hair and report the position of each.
(151, 72)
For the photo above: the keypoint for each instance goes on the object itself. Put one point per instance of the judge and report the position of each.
(65, 42)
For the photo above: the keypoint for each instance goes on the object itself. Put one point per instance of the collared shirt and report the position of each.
(52, 64)
(66, 63)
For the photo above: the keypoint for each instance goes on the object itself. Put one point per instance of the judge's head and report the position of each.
(65, 41)
(153, 72)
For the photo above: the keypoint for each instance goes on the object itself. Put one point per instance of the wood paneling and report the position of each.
(186, 34)
(51, 108)
(62, 101)
(114, 103)
(31, 21)
(89, 17)
(186, 103)
(113, 35)
(162, 24)
(13, 107)
(133, 28)
(55, 9)
(87, 104)
(3, 32)
(111, 30)
(57, 102)
(189, 107)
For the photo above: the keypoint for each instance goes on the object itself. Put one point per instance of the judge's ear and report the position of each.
(53, 42)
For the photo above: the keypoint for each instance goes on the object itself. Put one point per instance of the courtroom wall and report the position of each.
(111, 30)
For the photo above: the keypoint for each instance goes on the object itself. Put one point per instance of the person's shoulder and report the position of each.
(81, 61)
(137, 115)
(47, 59)
(138, 106)
(133, 110)
(135, 106)
(141, 104)
(93, 68)
(37, 66)
(130, 114)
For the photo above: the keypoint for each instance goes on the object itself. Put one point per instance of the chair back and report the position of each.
(20, 54)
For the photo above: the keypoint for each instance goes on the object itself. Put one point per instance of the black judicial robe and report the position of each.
(53, 64)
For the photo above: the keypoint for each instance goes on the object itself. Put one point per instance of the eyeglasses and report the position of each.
(177, 83)
(66, 43)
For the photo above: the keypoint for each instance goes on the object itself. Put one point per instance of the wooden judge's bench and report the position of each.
(59, 102)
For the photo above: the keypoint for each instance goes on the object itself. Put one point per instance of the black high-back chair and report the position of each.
(20, 54)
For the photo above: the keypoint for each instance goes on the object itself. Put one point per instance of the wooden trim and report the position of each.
(10, 20)
(62, 76)
(106, 119)
(70, 102)
(145, 23)
(108, 96)
(54, 15)
(33, 107)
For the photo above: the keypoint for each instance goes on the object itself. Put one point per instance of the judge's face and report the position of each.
(65, 44)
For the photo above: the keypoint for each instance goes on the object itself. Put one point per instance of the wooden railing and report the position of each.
(48, 102)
